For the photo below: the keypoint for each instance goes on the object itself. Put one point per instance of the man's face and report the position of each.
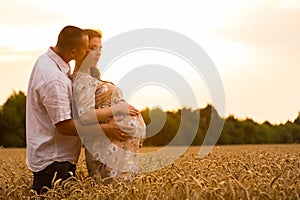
(82, 50)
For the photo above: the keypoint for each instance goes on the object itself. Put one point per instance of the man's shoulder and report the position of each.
(47, 71)
(44, 60)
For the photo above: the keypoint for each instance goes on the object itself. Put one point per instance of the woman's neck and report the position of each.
(78, 68)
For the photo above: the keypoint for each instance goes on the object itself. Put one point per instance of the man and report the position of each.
(53, 145)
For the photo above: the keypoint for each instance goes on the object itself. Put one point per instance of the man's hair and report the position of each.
(70, 37)
(93, 33)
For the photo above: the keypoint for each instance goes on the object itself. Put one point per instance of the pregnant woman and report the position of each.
(106, 156)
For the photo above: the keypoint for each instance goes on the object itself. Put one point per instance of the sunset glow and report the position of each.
(255, 46)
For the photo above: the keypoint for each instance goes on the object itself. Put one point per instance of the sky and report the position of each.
(255, 46)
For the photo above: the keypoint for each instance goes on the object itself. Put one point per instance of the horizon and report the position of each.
(174, 110)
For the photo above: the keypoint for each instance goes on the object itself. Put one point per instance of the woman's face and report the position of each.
(95, 45)
(91, 60)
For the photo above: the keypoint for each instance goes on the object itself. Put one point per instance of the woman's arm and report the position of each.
(96, 115)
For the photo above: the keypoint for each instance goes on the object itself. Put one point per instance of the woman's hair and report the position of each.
(70, 37)
(94, 71)
(93, 33)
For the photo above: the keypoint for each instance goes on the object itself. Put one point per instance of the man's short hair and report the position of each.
(70, 37)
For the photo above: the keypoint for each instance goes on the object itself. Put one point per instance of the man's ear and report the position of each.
(73, 52)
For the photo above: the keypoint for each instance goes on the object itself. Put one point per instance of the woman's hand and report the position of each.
(125, 109)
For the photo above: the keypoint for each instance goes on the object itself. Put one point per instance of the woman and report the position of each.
(110, 157)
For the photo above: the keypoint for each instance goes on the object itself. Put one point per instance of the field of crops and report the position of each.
(228, 172)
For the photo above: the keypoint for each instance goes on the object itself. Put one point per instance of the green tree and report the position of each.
(12, 121)
(284, 135)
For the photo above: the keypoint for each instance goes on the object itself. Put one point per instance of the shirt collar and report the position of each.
(61, 64)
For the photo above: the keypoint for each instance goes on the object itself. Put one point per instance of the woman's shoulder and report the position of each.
(84, 78)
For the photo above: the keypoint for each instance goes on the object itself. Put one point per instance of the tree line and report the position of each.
(180, 127)
(234, 131)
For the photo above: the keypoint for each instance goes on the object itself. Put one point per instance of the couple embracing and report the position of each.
(111, 129)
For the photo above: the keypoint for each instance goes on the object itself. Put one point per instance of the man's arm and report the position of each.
(76, 128)
(67, 127)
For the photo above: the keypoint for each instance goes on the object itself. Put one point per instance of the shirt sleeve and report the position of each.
(56, 97)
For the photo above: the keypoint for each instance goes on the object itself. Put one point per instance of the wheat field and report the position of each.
(228, 172)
